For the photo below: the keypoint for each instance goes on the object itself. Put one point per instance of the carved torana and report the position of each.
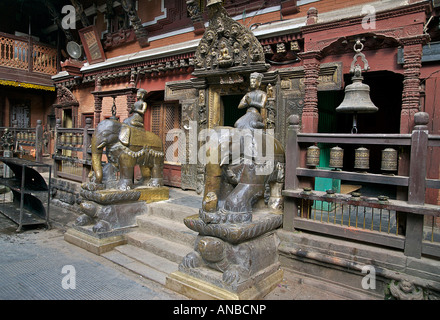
(226, 44)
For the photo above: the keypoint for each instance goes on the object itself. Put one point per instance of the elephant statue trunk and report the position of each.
(97, 160)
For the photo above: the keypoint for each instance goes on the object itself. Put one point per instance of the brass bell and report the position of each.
(389, 160)
(313, 153)
(362, 158)
(357, 98)
(336, 157)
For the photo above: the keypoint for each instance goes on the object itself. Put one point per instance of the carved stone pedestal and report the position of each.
(95, 242)
(109, 214)
(232, 261)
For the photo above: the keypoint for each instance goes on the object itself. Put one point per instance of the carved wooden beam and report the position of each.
(80, 11)
(140, 31)
(56, 17)
(196, 16)
(109, 13)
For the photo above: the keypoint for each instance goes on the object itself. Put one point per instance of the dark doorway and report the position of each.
(231, 113)
(67, 118)
(386, 93)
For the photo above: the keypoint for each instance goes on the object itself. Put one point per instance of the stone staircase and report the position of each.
(160, 242)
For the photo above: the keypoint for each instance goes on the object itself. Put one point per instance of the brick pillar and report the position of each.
(310, 111)
(411, 83)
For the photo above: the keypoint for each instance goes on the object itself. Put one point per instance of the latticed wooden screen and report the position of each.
(44, 59)
(156, 119)
(14, 53)
(165, 117)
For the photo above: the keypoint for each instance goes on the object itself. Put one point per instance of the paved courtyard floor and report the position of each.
(40, 265)
(37, 264)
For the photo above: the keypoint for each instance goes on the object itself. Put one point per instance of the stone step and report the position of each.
(168, 229)
(148, 258)
(167, 249)
(171, 211)
(134, 265)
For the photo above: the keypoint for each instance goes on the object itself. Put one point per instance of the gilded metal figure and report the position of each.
(138, 109)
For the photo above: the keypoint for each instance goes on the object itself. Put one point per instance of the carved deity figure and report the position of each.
(224, 60)
(253, 100)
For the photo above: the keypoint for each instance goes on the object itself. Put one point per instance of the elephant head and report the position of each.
(106, 135)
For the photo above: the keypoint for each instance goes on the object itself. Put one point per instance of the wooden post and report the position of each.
(56, 150)
(417, 185)
(31, 54)
(291, 179)
(15, 126)
(86, 144)
(39, 142)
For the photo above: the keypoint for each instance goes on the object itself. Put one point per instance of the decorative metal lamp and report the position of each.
(357, 95)
(336, 157)
(313, 153)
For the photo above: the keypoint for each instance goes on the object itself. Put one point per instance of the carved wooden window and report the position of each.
(165, 116)
(20, 112)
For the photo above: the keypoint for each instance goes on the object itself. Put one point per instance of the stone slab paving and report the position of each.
(31, 268)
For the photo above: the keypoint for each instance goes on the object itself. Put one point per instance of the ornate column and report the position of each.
(98, 102)
(131, 99)
(310, 110)
(411, 83)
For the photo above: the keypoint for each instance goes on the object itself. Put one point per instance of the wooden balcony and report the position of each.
(34, 63)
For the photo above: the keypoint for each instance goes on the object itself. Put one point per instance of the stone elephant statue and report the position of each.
(243, 175)
(126, 146)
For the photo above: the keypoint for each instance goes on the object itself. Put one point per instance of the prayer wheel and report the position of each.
(336, 157)
(362, 158)
(389, 160)
(313, 153)
(80, 140)
(74, 139)
(68, 139)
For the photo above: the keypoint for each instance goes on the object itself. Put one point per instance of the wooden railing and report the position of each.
(26, 54)
(72, 153)
(26, 142)
(408, 225)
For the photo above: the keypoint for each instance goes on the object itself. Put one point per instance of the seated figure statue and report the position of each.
(138, 109)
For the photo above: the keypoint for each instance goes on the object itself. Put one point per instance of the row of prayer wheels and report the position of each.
(70, 139)
(26, 136)
(361, 158)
